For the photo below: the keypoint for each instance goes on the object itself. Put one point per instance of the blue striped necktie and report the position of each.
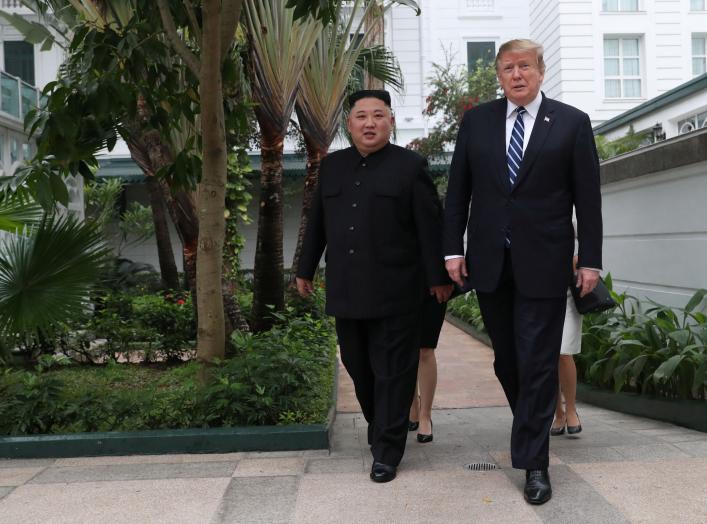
(515, 147)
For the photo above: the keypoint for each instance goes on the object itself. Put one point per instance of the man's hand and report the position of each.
(587, 280)
(456, 267)
(442, 293)
(304, 287)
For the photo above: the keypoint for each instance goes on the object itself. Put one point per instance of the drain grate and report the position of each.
(480, 466)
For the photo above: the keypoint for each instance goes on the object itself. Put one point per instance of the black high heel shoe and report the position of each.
(422, 438)
(554, 432)
(573, 430)
(413, 425)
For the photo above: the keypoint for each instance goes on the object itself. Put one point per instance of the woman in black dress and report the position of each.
(421, 409)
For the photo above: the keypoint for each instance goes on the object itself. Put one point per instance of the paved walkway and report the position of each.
(620, 469)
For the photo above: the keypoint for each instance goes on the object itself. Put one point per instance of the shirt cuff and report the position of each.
(450, 257)
(592, 268)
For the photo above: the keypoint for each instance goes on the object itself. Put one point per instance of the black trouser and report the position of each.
(526, 334)
(381, 355)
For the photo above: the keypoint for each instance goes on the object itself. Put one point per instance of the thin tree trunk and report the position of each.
(374, 24)
(315, 153)
(269, 273)
(165, 255)
(211, 193)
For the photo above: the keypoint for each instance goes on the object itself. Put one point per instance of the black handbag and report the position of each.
(595, 302)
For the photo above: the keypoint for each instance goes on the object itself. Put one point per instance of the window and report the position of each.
(619, 5)
(699, 54)
(475, 51)
(697, 5)
(692, 123)
(19, 60)
(622, 67)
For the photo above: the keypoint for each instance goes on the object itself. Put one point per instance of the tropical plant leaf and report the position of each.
(17, 211)
(666, 369)
(46, 275)
(696, 300)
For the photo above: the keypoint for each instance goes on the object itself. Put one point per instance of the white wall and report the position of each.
(655, 233)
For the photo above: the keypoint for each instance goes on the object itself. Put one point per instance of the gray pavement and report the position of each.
(620, 469)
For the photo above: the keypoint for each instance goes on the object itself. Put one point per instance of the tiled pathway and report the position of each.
(620, 469)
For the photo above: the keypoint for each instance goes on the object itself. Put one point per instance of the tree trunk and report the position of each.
(165, 255)
(211, 193)
(269, 273)
(374, 24)
(315, 153)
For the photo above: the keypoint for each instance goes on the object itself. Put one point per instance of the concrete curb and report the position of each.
(687, 413)
(468, 329)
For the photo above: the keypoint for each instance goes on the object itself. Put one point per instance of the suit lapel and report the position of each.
(541, 128)
(497, 132)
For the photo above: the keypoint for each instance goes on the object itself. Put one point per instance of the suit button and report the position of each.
(363, 165)
(351, 251)
(351, 228)
(357, 183)
(354, 204)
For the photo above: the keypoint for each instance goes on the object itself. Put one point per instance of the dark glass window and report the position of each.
(19, 60)
(486, 51)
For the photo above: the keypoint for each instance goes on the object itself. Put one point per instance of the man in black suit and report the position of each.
(377, 213)
(519, 165)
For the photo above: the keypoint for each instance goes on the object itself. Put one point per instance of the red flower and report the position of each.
(180, 302)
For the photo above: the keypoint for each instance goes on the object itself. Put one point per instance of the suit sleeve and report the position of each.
(314, 236)
(456, 208)
(587, 197)
(428, 222)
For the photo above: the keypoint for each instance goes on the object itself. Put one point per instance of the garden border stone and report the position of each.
(292, 437)
(468, 328)
(687, 413)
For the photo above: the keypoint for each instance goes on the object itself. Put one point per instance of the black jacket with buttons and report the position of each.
(379, 218)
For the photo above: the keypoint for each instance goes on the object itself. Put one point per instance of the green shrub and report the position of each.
(658, 351)
(282, 376)
(466, 308)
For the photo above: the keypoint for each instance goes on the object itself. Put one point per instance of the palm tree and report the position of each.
(279, 50)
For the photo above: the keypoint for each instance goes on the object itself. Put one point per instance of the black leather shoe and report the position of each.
(423, 438)
(382, 472)
(537, 486)
(555, 431)
(413, 425)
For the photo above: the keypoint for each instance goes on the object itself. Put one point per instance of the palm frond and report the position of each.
(47, 273)
(18, 211)
(279, 50)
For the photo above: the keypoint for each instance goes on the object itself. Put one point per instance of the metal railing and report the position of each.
(17, 98)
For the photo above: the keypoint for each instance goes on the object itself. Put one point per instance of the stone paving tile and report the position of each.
(25, 463)
(653, 452)
(269, 467)
(151, 459)
(134, 472)
(414, 496)
(502, 458)
(652, 492)
(5, 490)
(273, 454)
(584, 455)
(258, 500)
(168, 501)
(573, 499)
(17, 476)
(315, 453)
(335, 465)
(683, 435)
(695, 449)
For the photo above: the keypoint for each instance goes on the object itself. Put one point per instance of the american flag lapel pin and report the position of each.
(547, 119)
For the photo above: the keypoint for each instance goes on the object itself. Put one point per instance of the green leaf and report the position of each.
(696, 300)
(666, 369)
(681, 336)
(700, 380)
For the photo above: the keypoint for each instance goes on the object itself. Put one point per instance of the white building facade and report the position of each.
(608, 56)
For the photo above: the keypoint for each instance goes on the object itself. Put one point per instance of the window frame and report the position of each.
(621, 77)
(703, 56)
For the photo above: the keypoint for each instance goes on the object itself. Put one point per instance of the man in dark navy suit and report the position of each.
(519, 166)
(377, 213)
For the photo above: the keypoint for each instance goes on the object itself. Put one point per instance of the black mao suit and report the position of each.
(379, 219)
(522, 286)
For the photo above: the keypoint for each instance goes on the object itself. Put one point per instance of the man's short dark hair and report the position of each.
(380, 94)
